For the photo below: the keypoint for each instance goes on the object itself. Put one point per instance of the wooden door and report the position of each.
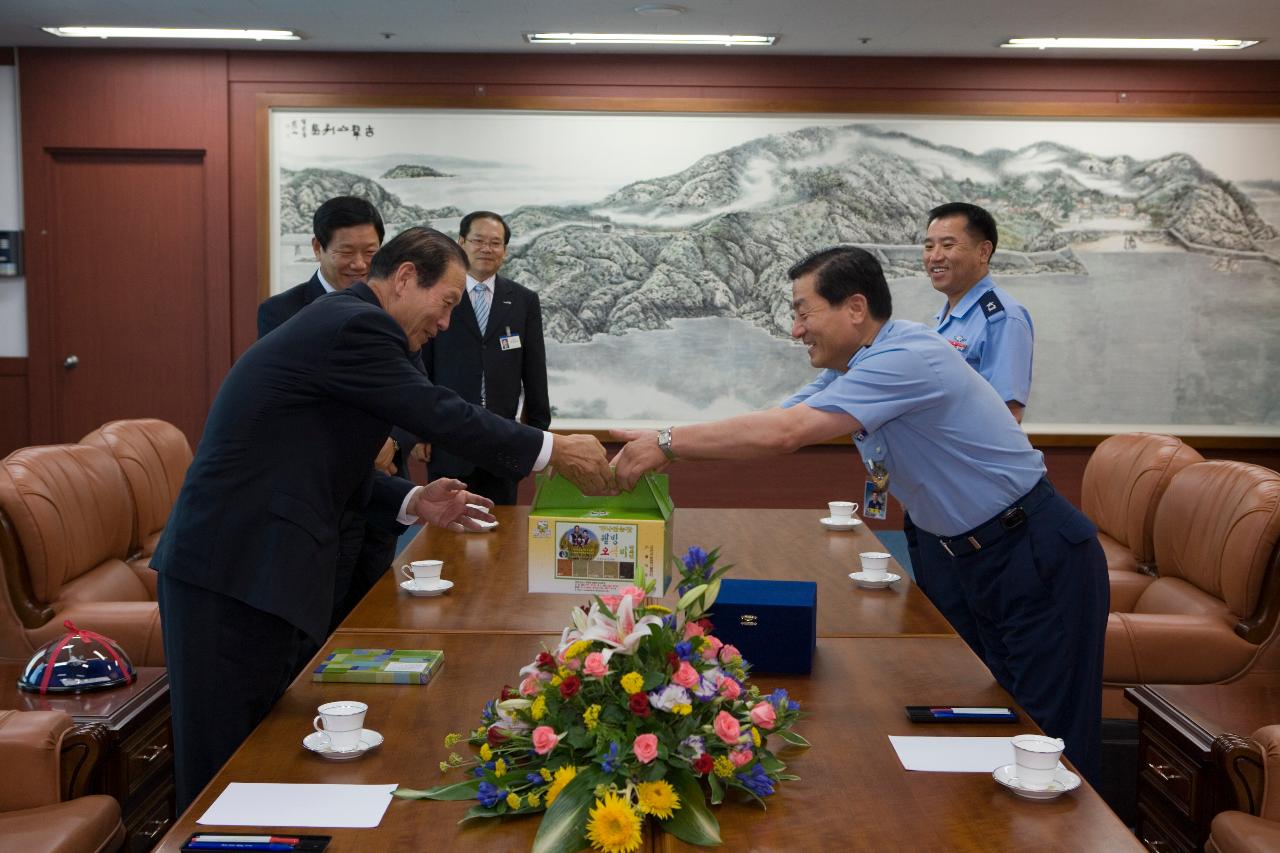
(128, 330)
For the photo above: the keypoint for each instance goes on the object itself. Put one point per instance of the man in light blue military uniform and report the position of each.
(994, 334)
(1033, 574)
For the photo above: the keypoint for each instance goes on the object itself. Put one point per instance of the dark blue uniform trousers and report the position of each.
(1036, 596)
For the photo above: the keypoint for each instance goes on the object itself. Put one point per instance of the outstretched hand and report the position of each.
(638, 456)
(582, 461)
(446, 503)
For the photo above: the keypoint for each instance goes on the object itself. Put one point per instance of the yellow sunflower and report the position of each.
(564, 775)
(658, 799)
(614, 826)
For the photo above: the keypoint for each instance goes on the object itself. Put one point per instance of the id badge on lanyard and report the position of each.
(875, 502)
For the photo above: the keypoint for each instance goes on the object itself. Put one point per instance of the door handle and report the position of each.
(70, 361)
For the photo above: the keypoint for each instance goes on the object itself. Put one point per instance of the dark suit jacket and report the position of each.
(273, 311)
(456, 357)
(288, 450)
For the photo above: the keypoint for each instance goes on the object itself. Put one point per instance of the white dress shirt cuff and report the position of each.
(544, 457)
(404, 517)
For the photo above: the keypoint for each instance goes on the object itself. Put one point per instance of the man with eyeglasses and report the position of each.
(493, 353)
(1033, 576)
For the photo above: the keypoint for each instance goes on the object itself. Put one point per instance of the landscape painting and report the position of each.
(1148, 252)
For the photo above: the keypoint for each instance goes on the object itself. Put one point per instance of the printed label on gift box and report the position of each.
(542, 530)
(595, 550)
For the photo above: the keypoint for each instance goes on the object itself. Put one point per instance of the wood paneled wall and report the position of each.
(215, 102)
(13, 404)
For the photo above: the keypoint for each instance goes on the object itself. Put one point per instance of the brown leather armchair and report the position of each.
(1124, 480)
(1258, 829)
(1213, 609)
(65, 524)
(48, 763)
(154, 456)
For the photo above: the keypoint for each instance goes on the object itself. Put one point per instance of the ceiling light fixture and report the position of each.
(1131, 44)
(170, 33)
(649, 38)
(659, 10)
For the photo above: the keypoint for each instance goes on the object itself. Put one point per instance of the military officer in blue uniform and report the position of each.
(994, 334)
(941, 439)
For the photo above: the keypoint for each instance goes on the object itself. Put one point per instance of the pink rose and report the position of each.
(530, 685)
(740, 757)
(636, 594)
(729, 688)
(645, 748)
(544, 739)
(595, 666)
(685, 675)
(728, 654)
(726, 727)
(710, 647)
(611, 601)
(691, 630)
(763, 715)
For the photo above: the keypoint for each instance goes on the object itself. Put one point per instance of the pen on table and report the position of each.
(239, 845)
(257, 839)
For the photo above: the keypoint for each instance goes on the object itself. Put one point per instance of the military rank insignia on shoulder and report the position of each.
(991, 304)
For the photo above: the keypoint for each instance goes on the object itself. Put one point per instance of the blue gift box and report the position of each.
(773, 623)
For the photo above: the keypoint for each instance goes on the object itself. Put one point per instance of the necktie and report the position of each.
(480, 304)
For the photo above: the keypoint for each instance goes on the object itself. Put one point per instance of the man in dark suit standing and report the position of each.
(491, 363)
(346, 233)
(248, 558)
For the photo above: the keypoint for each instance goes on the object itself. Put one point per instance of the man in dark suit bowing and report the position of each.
(247, 560)
(492, 352)
(347, 232)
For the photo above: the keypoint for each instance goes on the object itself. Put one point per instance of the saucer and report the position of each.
(861, 579)
(426, 589)
(840, 523)
(369, 740)
(1064, 781)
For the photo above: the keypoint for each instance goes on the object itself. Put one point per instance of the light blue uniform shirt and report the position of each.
(994, 335)
(954, 454)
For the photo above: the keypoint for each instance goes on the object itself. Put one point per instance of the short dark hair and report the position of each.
(345, 211)
(464, 227)
(843, 271)
(429, 250)
(978, 222)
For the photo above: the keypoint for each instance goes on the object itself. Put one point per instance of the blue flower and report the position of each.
(490, 712)
(609, 764)
(756, 781)
(793, 705)
(695, 558)
(778, 698)
(669, 621)
(478, 772)
(684, 650)
(489, 794)
(533, 778)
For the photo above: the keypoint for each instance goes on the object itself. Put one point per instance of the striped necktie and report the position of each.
(480, 304)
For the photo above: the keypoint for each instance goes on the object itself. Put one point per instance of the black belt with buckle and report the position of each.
(990, 532)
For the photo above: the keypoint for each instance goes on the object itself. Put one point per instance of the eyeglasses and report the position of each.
(495, 245)
(803, 316)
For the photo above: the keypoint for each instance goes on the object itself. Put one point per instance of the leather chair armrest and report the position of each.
(31, 750)
(1158, 648)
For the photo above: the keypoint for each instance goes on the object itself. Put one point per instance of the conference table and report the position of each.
(853, 793)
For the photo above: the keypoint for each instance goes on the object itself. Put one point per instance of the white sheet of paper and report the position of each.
(953, 754)
(275, 804)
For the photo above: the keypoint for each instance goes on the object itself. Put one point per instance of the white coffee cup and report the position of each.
(1035, 759)
(875, 564)
(340, 724)
(842, 510)
(423, 571)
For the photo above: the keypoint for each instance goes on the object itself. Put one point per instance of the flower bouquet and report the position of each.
(637, 712)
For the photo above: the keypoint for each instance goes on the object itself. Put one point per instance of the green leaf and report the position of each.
(457, 791)
(788, 777)
(563, 828)
(693, 822)
(770, 762)
(713, 590)
(793, 738)
(717, 789)
(478, 811)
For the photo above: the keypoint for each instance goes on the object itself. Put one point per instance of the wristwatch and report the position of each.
(664, 442)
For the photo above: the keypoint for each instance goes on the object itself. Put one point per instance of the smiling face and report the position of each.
(423, 312)
(346, 259)
(831, 332)
(954, 259)
(486, 248)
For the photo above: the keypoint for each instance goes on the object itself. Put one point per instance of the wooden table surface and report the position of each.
(490, 576)
(853, 794)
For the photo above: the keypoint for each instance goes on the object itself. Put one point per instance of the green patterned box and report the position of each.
(380, 666)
